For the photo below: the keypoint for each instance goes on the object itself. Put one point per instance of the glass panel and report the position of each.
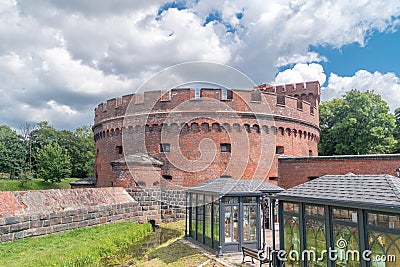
(346, 241)
(345, 215)
(373, 219)
(385, 248)
(315, 210)
(231, 200)
(292, 207)
(315, 231)
(200, 216)
(296, 207)
(394, 222)
(249, 200)
(384, 221)
(231, 224)
(287, 206)
(249, 222)
(207, 215)
(292, 239)
(216, 223)
(193, 222)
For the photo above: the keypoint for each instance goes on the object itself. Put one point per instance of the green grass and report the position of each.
(34, 184)
(94, 246)
(172, 252)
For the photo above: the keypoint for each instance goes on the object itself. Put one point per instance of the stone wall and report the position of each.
(173, 206)
(25, 225)
(35, 213)
(165, 205)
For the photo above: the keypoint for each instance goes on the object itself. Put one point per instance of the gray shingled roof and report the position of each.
(140, 159)
(228, 186)
(350, 189)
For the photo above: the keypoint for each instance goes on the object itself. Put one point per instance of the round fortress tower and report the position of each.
(199, 134)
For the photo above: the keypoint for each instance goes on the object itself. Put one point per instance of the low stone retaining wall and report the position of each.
(34, 213)
(21, 226)
(168, 205)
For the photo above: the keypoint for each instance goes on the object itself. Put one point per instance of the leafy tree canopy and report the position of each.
(397, 130)
(54, 164)
(79, 145)
(12, 151)
(357, 123)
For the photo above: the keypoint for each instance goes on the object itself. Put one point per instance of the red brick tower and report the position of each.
(205, 133)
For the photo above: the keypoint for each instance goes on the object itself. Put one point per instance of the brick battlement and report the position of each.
(282, 121)
(237, 101)
(309, 91)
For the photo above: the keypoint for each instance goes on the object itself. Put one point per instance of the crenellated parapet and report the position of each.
(208, 132)
(307, 91)
(240, 102)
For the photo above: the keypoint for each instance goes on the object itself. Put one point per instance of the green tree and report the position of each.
(397, 130)
(53, 163)
(80, 146)
(357, 123)
(12, 152)
(88, 146)
(43, 134)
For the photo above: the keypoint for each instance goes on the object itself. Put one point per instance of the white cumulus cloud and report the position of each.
(385, 84)
(78, 53)
(301, 72)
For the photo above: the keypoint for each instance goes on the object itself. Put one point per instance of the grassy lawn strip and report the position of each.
(172, 252)
(34, 184)
(92, 246)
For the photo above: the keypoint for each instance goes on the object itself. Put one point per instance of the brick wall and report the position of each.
(297, 170)
(251, 123)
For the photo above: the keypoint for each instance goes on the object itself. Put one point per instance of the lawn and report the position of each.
(171, 252)
(34, 184)
(94, 246)
(121, 244)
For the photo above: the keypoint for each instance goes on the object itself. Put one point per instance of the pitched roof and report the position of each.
(359, 190)
(229, 186)
(141, 159)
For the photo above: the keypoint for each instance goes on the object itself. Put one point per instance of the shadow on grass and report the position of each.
(140, 249)
(162, 248)
(172, 252)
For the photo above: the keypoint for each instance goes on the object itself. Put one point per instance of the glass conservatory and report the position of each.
(341, 220)
(225, 214)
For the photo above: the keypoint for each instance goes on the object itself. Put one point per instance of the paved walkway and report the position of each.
(233, 259)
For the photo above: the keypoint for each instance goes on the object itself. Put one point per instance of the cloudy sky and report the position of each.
(59, 59)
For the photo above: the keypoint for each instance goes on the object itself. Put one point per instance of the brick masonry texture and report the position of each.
(294, 171)
(35, 213)
(169, 203)
(285, 116)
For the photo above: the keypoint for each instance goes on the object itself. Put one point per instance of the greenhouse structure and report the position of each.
(341, 220)
(224, 214)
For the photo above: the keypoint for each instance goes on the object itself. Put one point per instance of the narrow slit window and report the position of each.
(280, 150)
(225, 147)
(165, 147)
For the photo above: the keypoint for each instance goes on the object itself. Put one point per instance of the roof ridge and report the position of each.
(394, 188)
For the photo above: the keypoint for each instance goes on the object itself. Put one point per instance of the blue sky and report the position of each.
(380, 53)
(60, 59)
